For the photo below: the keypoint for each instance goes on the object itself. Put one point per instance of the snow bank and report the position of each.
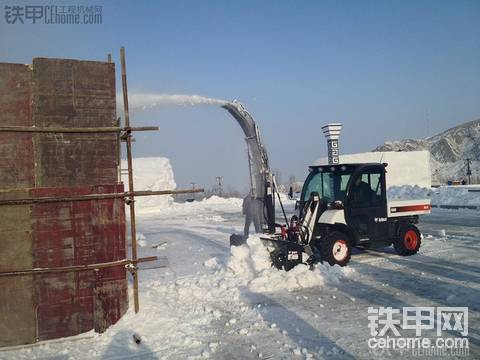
(151, 173)
(444, 195)
(205, 208)
(408, 192)
(456, 195)
(251, 265)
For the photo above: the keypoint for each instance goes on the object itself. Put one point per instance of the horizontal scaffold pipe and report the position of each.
(74, 268)
(113, 129)
(52, 199)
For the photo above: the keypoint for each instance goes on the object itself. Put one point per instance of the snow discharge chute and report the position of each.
(261, 178)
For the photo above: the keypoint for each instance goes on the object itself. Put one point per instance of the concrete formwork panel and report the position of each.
(17, 305)
(59, 93)
(72, 93)
(16, 152)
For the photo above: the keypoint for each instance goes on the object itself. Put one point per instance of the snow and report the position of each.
(144, 101)
(251, 264)
(203, 299)
(457, 195)
(151, 173)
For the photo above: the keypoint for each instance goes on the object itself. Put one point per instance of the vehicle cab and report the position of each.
(351, 195)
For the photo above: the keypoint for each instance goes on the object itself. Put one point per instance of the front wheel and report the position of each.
(408, 241)
(336, 248)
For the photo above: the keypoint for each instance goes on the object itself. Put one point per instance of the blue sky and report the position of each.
(379, 67)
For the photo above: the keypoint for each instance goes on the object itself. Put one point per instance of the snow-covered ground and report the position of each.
(202, 299)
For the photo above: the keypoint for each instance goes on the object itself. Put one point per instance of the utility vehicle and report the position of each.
(344, 206)
(341, 206)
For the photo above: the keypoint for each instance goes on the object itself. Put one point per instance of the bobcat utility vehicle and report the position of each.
(344, 206)
(341, 206)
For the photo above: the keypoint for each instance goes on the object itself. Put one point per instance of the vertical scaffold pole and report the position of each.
(131, 201)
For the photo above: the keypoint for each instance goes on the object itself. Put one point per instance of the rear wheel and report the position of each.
(408, 242)
(336, 248)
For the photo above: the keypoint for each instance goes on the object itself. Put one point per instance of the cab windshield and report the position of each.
(329, 182)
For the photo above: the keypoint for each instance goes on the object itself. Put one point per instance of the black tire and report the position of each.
(336, 248)
(408, 241)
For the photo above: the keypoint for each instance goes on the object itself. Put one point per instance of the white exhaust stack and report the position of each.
(332, 133)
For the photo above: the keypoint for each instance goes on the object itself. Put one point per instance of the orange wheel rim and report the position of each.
(411, 240)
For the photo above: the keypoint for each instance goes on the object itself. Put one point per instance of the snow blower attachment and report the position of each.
(341, 206)
(261, 178)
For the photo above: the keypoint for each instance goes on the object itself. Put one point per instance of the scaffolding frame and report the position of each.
(124, 134)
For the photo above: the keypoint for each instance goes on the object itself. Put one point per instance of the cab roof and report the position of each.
(354, 165)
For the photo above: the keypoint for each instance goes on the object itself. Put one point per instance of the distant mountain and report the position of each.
(448, 150)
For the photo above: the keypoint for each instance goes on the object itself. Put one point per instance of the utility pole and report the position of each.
(220, 185)
(193, 188)
(469, 170)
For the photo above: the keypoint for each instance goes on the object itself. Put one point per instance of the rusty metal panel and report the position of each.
(16, 152)
(17, 310)
(73, 93)
(65, 93)
(79, 233)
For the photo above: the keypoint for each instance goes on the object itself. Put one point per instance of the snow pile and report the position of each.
(251, 265)
(145, 101)
(444, 195)
(456, 195)
(408, 192)
(151, 173)
(214, 201)
(205, 206)
(220, 298)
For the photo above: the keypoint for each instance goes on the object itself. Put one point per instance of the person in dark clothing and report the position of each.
(362, 193)
(250, 209)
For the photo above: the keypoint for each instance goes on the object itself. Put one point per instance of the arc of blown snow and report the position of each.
(144, 101)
